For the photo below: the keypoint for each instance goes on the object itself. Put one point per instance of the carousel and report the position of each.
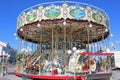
(63, 40)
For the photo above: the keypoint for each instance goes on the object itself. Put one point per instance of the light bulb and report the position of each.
(21, 29)
(77, 51)
(90, 25)
(38, 25)
(64, 23)
(69, 51)
(74, 48)
(107, 50)
(106, 30)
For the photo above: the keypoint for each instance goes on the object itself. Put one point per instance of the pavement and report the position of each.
(115, 74)
(11, 76)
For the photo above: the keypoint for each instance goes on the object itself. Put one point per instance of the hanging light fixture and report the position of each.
(106, 30)
(64, 23)
(69, 51)
(90, 25)
(38, 25)
(21, 29)
(74, 49)
(77, 51)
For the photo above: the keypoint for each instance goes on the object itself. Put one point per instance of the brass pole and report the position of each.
(40, 49)
(64, 44)
(71, 40)
(24, 51)
(52, 42)
(97, 48)
(103, 39)
(88, 37)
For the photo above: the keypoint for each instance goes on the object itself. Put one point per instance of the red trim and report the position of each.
(17, 74)
(57, 77)
(49, 76)
(97, 53)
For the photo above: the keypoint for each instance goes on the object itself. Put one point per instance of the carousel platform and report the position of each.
(44, 76)
(49, 77)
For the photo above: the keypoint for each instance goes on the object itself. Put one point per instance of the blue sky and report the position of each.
(10, 9)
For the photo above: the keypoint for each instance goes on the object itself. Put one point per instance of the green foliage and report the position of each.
(19, 55)
(4, 63)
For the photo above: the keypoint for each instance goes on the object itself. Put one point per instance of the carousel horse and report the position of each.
(102, 64)
(29, 68)
(105, 64)
(46, 65)
(80, 63)
(85, 63)
(92, 65)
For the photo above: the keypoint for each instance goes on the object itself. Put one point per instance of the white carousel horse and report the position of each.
(92, 67)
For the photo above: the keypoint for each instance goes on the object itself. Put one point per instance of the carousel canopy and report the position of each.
(86, 23)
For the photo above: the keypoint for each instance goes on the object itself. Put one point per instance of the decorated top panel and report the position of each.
(63, 10)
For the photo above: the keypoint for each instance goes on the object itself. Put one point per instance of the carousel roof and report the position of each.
(86, 23)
